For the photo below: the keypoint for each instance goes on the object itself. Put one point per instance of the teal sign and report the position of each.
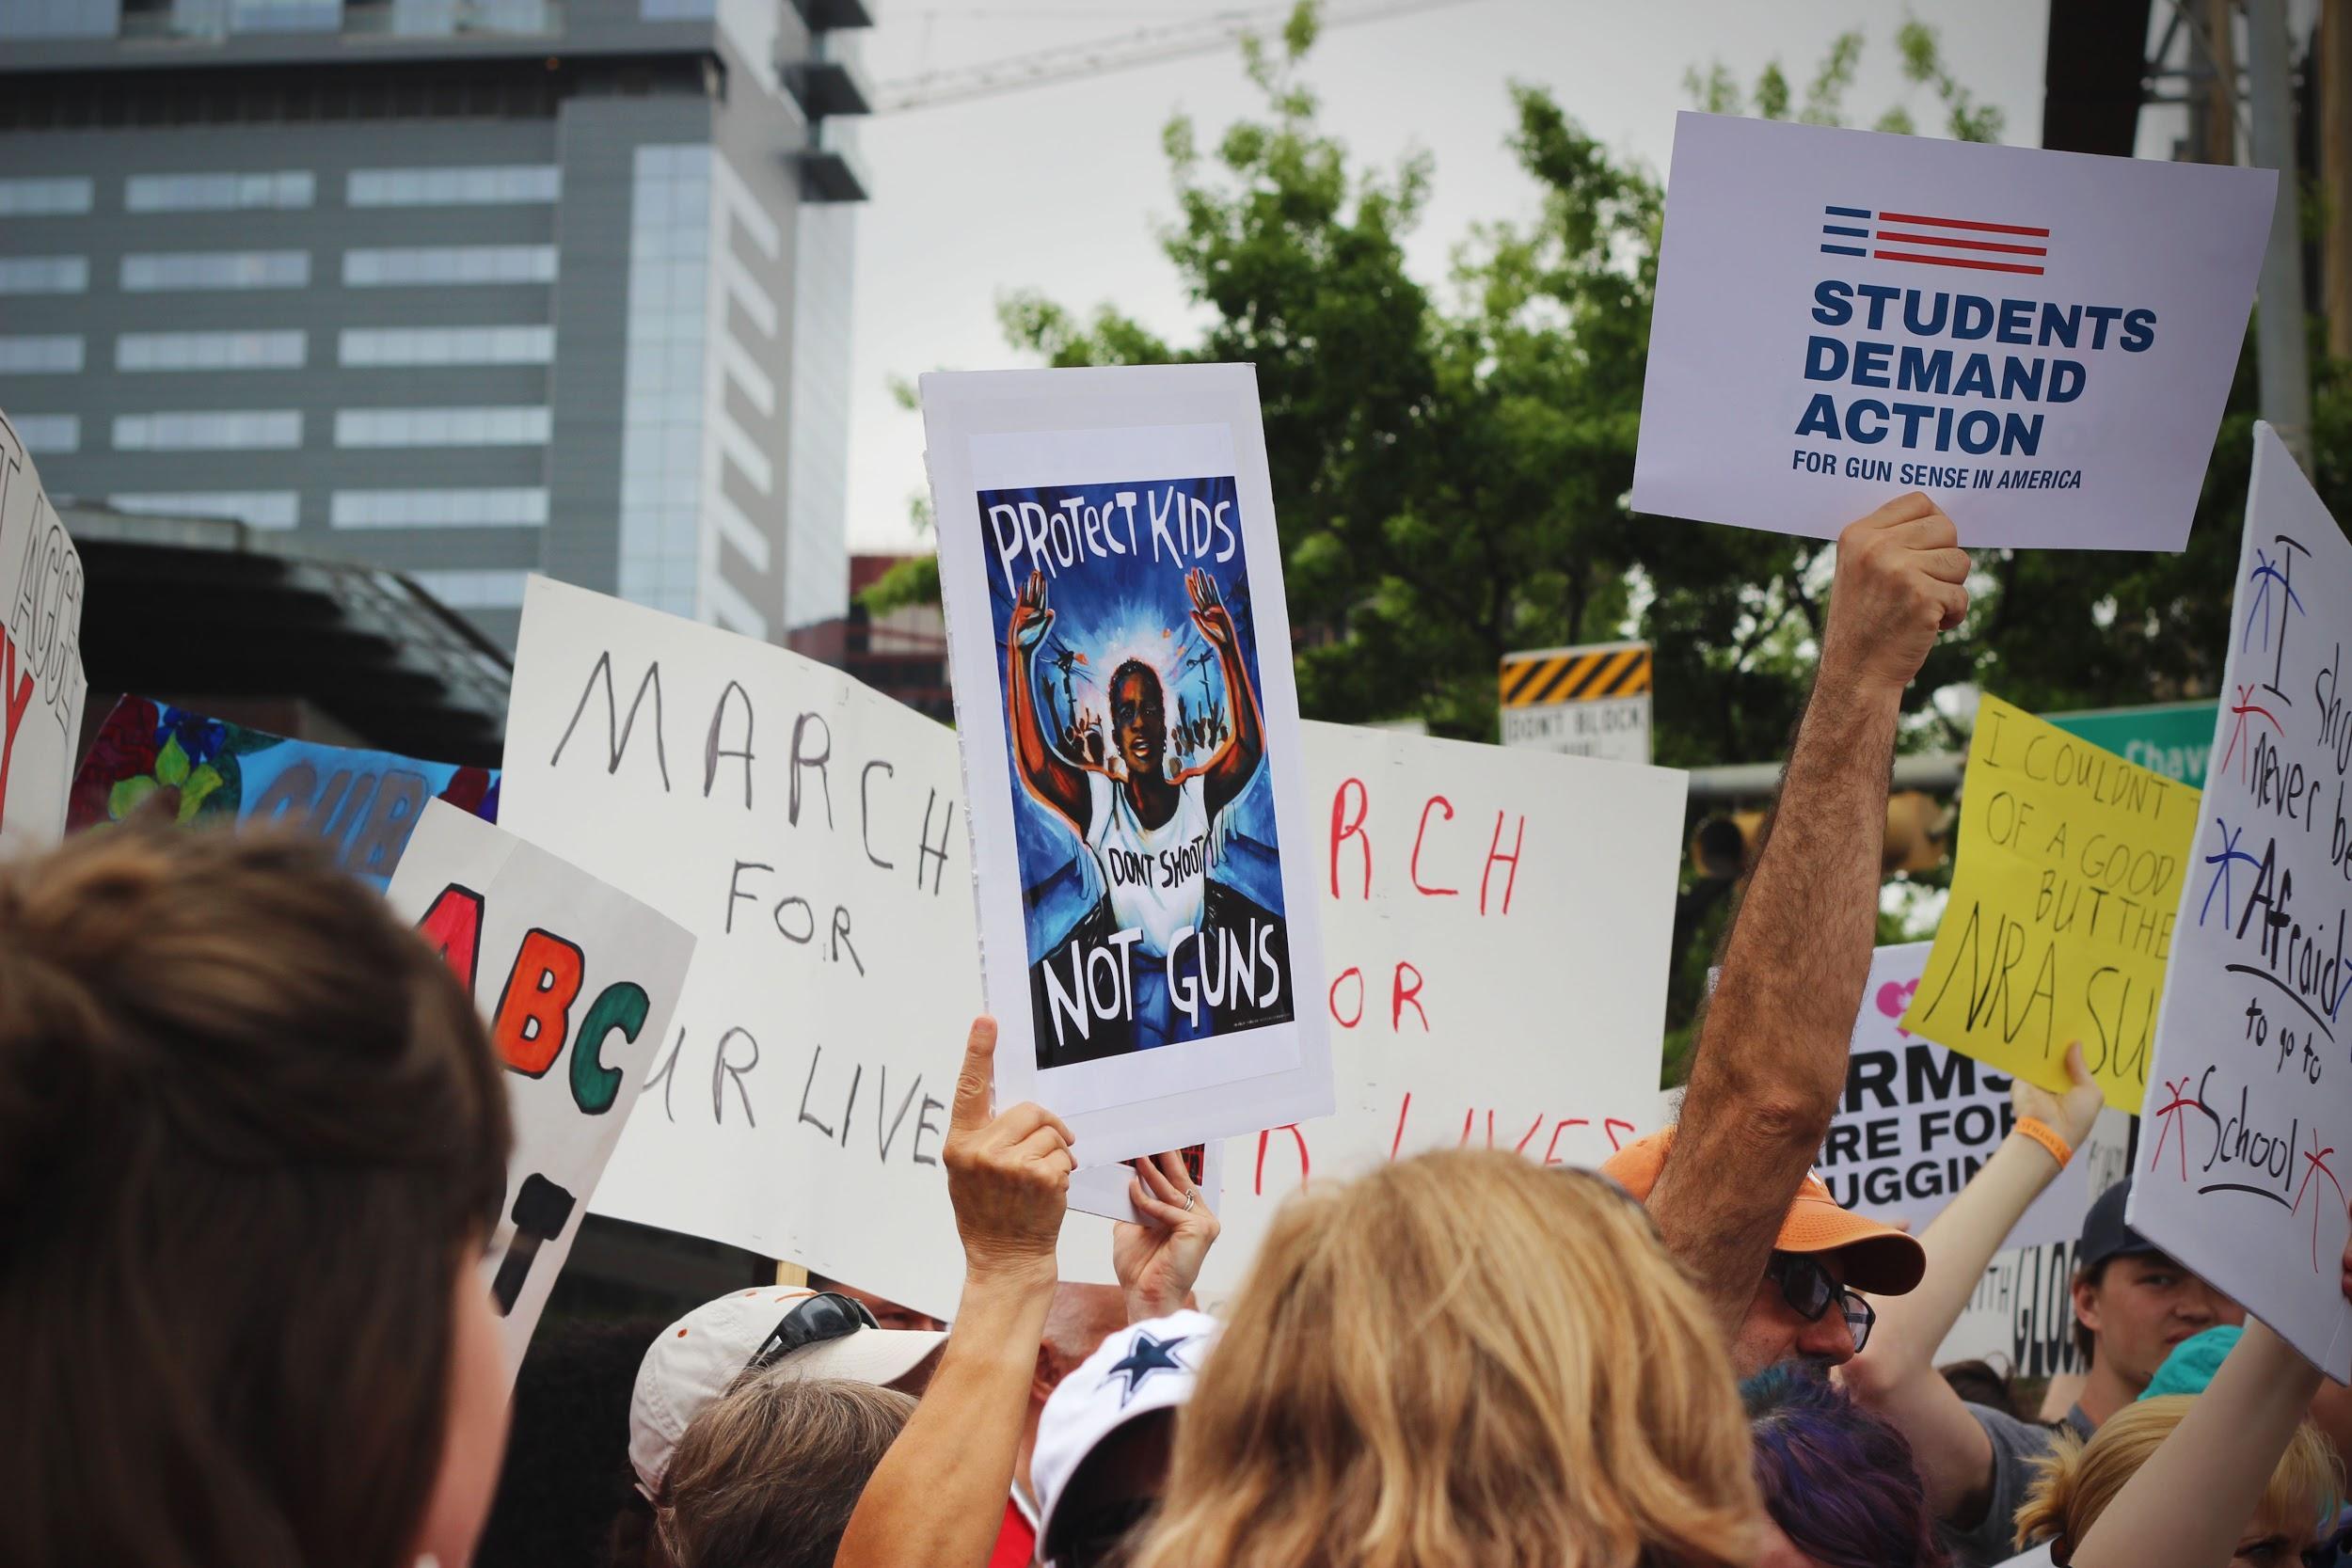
(2171, 738)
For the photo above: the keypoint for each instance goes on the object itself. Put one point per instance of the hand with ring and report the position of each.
(1158, 1260)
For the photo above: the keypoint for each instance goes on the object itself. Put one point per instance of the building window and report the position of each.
(216, 193)
(662, 439)
(32, 356)
(210, 351)
(44, 433)
(445, 18)
(59, 19)
(156, 271)
(441, 427)
(214, 430)
(44, 275)
(515, 507)
(34, 198)
(440, 264)
(474, 590)
(285, 16)
(448, 345)
(497, 186)
(269, 509)
(674, 10)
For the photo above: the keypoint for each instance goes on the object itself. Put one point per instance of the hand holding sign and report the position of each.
(1157, 1261)
(1902, 579)
(2070, 1113)
(1008, 1177)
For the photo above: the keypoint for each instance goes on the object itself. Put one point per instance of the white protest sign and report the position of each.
(41, 686)
(2041, 341)
(1496, 929)
(1120, 654)
(810, 832)
(1917, 1121)
(578, 983)
(2021, 1316)
(2249, 1097)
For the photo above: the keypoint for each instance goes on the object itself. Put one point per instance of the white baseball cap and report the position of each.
(1145, 1367)
(698, 1359)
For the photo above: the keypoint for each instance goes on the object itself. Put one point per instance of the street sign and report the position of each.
(2171, 738)
(1587, 701)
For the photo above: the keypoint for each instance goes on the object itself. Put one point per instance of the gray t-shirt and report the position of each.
(2015, 1445)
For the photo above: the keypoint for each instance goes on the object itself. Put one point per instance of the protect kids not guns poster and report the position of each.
(1121, 655)
(2248, 1111)
(577, 982)
(2041, 342)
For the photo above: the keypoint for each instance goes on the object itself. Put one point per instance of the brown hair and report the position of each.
(1463, 1360)
(2076, 1481)
(768, 1476)
(248, 1127)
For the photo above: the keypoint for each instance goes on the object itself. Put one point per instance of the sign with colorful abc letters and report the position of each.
(2041, 342)
(577, 982)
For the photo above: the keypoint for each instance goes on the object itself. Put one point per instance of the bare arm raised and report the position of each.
(938, 1497)
(1772, 1051)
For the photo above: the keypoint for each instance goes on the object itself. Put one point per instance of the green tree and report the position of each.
(1451, 464)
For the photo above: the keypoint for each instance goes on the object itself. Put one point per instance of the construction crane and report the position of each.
(1069, 62)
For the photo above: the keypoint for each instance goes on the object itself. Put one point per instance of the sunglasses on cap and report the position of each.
(827, 1315)
(1809, 1290)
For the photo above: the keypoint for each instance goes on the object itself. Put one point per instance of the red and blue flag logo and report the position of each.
(1968, 242)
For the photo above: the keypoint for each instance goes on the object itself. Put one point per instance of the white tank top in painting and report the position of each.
(1153, 876)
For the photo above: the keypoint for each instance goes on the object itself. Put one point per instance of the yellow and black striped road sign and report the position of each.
(1553, 675)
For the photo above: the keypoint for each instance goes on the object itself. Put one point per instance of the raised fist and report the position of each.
(1902, 579)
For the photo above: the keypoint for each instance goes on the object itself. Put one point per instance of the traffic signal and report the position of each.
(1919, 832)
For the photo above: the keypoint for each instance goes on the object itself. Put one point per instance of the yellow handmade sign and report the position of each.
(2061, 918)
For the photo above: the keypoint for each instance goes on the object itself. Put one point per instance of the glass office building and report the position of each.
(466, 288)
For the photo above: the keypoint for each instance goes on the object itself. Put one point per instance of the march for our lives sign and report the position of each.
(2043, 341)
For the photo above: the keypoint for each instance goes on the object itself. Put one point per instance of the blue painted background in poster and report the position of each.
(1120, 598)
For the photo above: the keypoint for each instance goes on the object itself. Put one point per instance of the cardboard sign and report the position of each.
(364, 804)
(810, 832)
(1121, 655)
(1917, 1121)
(2043, 341)
(2062, 905)
(577, 983)
(2251, 1096)
(1587, 701)
(41, 686)
(1497, 962)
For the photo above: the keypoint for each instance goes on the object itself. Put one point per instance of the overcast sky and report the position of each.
(1063, 188)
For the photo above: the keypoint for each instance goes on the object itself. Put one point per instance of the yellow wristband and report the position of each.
(2043, 1134)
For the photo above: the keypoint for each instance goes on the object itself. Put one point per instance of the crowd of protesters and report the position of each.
(253, 1139)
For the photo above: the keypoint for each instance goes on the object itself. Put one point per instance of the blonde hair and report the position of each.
(768, 1476)
(1464, 1360)
(2076, 1481)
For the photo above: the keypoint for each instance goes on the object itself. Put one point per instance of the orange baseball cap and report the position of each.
(1879, 1259)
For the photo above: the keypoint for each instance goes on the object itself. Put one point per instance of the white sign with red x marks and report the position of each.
(2246, 1138)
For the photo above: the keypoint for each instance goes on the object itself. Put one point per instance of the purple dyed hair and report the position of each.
(1839, 1481)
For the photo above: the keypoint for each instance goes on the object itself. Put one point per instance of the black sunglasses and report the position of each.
(827, 1315)
(1809, 1290)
